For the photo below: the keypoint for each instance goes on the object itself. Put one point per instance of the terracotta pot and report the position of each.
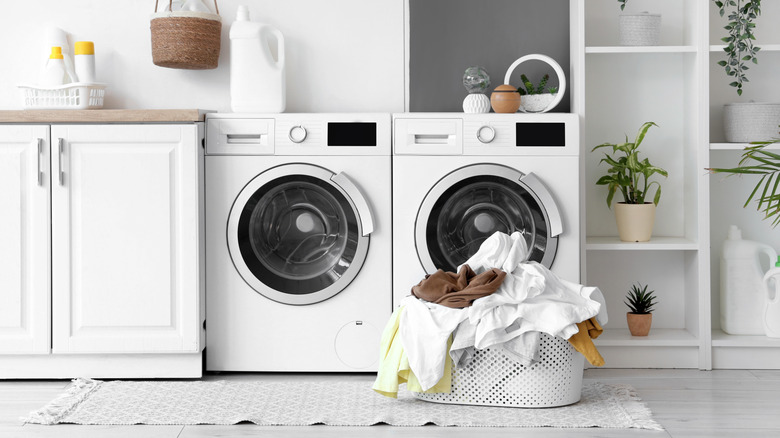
(505, 99)
(635, 221)
(639, 323)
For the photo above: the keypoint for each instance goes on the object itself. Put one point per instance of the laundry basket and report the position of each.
(494, 379)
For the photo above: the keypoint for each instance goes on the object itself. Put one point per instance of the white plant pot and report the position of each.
(536, 103)
(476, 103)
(642, 29)
(752, 121)
(635, 221)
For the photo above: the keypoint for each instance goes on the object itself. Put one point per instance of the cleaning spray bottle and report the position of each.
(742, 298)
(772, 314)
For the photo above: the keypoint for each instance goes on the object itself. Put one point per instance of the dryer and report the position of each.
(458, 178)
(298, 241)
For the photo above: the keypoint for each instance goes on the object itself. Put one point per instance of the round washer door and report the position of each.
(471, 203)
(298, 233)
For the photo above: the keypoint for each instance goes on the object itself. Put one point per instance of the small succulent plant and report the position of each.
(640, 301)
(538, 89)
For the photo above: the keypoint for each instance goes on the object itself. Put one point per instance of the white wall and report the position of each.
(342, 55)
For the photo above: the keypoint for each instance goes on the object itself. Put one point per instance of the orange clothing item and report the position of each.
(582, 341)
(458, 290)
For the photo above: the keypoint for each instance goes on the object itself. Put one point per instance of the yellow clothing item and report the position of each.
(394, 365)
(582, 341)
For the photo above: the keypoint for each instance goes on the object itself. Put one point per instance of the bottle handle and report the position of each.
(279, 45)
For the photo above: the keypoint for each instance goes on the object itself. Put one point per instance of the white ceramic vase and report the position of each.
(641, 29)
(476, 103)
(635, 221)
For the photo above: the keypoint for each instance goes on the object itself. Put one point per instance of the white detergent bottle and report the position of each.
(257, 82)
(742, 298)
(54, 73)
(772, 312)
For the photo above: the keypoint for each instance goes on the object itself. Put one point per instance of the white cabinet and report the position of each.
(103, 254)
(24, 240)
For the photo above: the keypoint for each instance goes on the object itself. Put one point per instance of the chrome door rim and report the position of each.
(286, 170)
(529, 182)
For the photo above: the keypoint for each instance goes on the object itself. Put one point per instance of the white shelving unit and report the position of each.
(678, 85)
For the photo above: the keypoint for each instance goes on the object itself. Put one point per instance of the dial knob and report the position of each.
(297, 134)
(486, 134)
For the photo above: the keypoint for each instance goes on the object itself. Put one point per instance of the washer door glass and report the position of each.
(464, 209)
(296, 237)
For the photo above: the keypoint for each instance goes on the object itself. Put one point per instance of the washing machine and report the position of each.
(298, 241)
(458, 178)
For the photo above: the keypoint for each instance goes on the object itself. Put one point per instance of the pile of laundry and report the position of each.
(495, 300)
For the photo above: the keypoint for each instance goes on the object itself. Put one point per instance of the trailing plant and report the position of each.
(739, 42)
(622, 4)
(756, 160)
(639, 300)
(538, 89)
(627, 173)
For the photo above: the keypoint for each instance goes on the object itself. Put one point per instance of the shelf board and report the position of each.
(661, 243)
(658, 337)
(736, 146)
(721, 339)
(641, 49)
(764, 47)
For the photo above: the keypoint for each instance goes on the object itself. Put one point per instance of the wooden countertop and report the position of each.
(103, 116)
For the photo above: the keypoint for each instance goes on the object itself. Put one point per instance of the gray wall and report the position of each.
(447, 36)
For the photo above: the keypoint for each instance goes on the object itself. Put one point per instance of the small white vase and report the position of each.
(536, 103)
(642, 29)
(476, 103)
(635, 221)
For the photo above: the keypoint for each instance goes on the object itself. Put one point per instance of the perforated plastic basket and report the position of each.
(493, 379)
(78, 95)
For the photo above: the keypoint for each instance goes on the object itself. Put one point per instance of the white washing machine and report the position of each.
(298, 241)
(458, 178)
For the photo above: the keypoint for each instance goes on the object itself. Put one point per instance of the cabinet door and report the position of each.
(24, 239)
(125, 238)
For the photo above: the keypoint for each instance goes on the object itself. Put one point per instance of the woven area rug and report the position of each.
(345, 403)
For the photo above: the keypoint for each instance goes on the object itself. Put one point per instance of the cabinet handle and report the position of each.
(61, 146)
(40, 153)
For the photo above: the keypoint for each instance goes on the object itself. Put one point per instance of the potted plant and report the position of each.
(534, 98)
(635, 216)
(639, 29)
(767, 164)
(640, 302)
(739, 42)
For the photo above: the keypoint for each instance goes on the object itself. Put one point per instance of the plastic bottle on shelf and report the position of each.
(772, 313)
(257, 82)
(84, 60)
(742, 297)
(56, 37)
(54, 74)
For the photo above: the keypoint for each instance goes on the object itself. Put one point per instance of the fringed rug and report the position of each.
(342, 403)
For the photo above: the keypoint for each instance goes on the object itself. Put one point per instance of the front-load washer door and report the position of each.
(471, 203)
(299, 233)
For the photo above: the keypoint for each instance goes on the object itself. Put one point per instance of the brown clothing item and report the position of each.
(458, 290)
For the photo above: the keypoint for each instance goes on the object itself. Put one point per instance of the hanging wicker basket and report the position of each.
(186, 40)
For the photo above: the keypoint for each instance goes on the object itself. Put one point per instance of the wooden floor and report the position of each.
(688, 403)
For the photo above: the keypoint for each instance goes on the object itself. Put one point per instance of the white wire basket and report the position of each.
(493, 379)
(78, 95)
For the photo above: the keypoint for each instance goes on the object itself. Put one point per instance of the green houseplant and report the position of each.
(536, 98)
(756, 160)
(631, 176)
(739, 42)
(640, 303)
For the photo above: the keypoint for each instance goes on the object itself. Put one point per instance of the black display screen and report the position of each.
(540, 134)
(352, 134)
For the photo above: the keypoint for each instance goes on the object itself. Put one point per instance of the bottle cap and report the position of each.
(56, 52)
(735, 233)
(84, 48)
(243, 13)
